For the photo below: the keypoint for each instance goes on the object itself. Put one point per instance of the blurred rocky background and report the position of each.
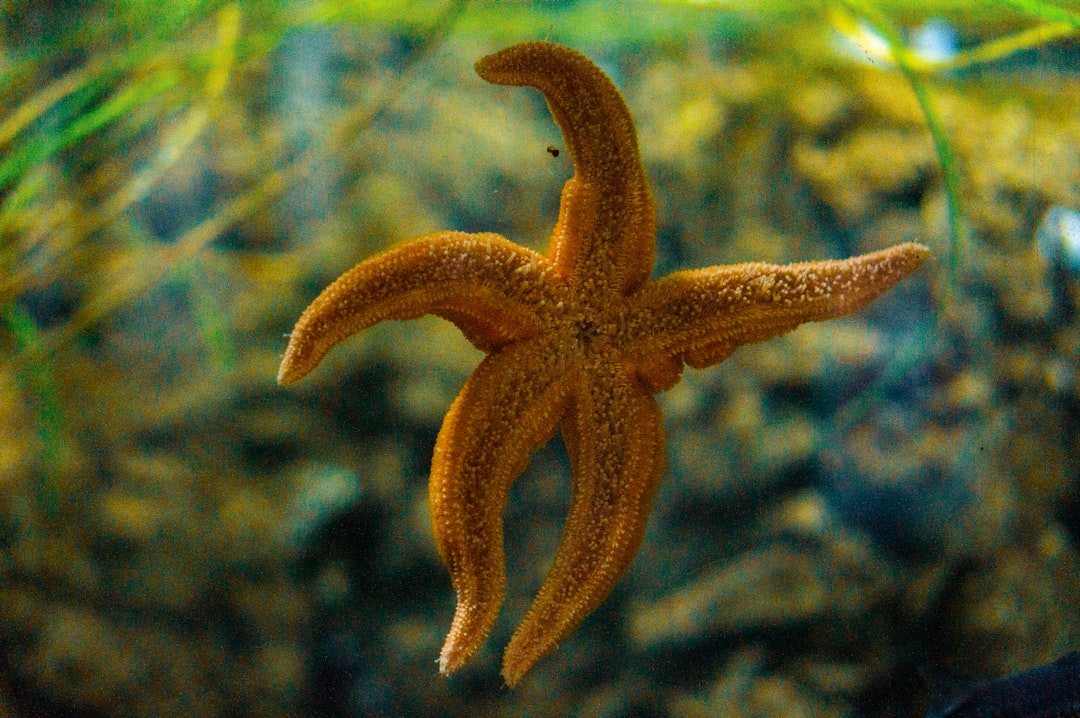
(847, 510)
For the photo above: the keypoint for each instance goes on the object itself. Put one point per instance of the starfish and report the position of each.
(577, 341)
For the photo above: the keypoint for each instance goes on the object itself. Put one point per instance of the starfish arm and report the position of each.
(488, 286)
(510, 405)
(701, 316)
(614, 436)
(604, 238)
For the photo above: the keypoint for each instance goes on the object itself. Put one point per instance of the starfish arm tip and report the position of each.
(472, 623)
(286, 375)
(297, 363)
(896, 263)
(463, 640)
(918, 252)
(448, 663)
(512, 674)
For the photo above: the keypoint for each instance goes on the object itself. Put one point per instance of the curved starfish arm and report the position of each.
(614, 436)
(701, 316)
(510, 405)
(605, 233)
(485, 284)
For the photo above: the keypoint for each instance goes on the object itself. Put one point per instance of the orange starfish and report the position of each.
(578, 341)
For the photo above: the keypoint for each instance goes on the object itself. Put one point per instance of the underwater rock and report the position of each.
(919, 488)
(746, 688)
(865, 173)
(1017, 608)
(777, 585)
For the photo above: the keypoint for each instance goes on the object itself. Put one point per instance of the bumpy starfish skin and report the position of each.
(577, 341)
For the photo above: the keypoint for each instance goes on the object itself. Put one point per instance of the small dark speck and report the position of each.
(553, 150)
